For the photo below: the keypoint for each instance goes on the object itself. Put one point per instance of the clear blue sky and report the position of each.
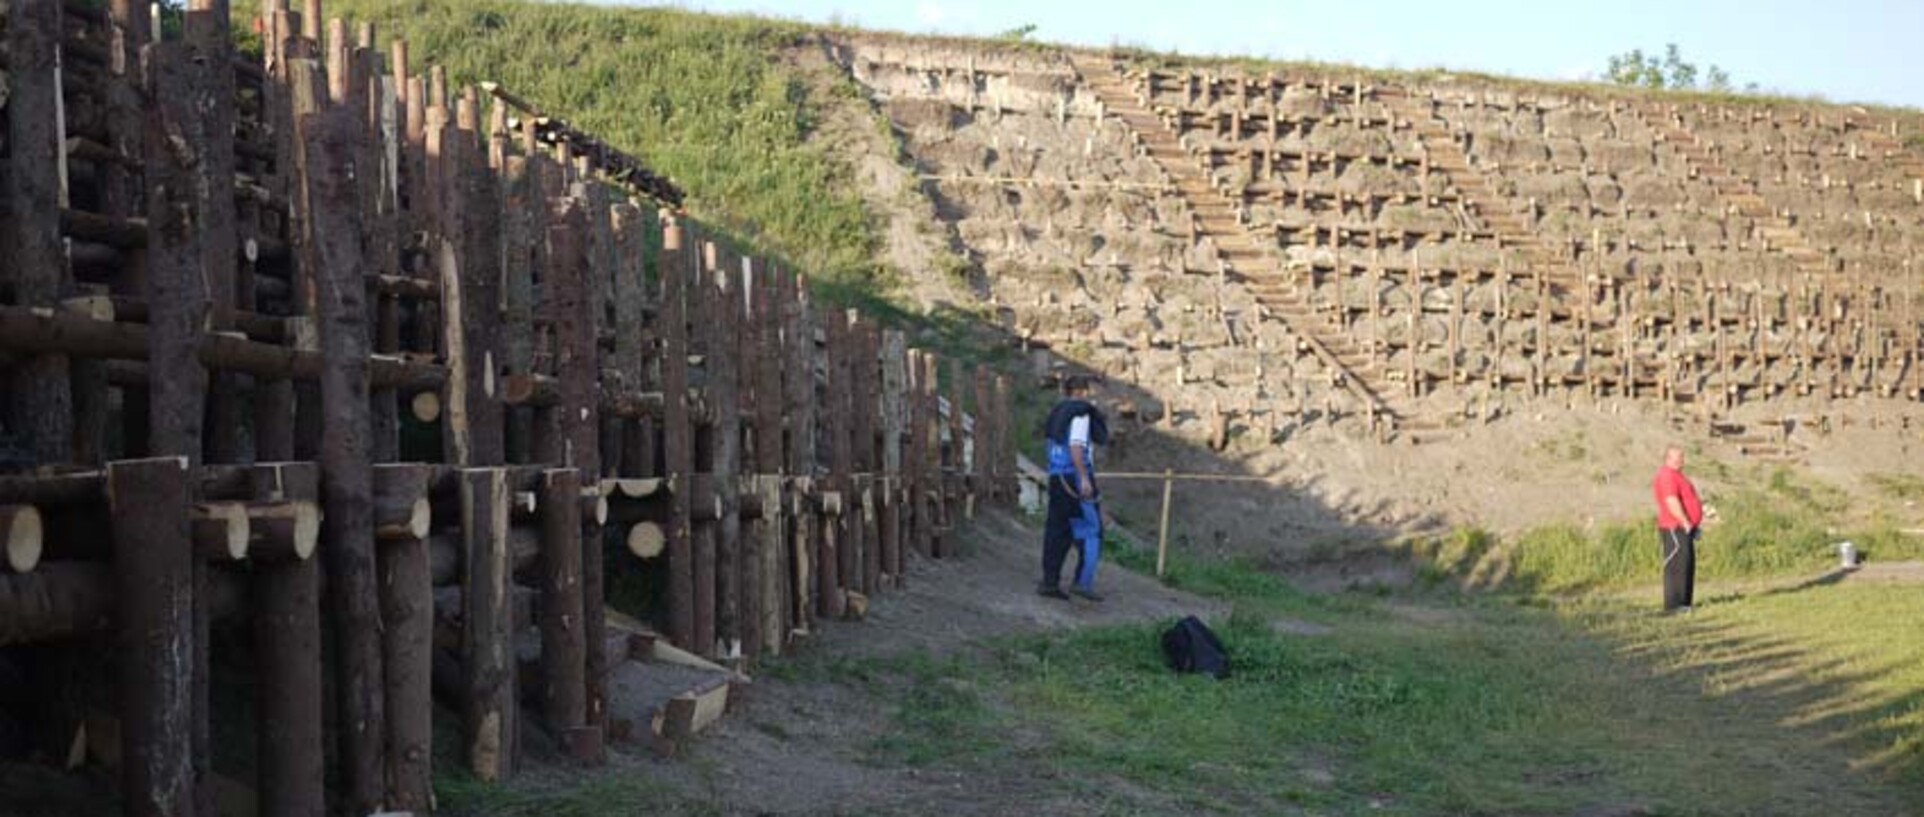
(1845, 50)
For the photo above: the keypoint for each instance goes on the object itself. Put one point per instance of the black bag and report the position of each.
(1189, 646)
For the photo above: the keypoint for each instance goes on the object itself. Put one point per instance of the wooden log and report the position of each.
(563, 647)
(154, 591)
(401, 512)
(571, 267)
(955, 473)
(177, 286)
(326, 162)
(407, 620)
(21, 535)
(895, 384)
(798, 406)
(646, 540)
(60, 600)
(39, 397)
(867, 393)
(220, 530)
(724, 359)
(677, 433)
(768, 531)
(763, 354)
(212, 95)
(831, 565)
(44, 331)
(288, 691)
(487, 646)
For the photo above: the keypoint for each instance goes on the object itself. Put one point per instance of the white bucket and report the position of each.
(1847, 555)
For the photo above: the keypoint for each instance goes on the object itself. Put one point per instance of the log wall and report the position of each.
(325, 351)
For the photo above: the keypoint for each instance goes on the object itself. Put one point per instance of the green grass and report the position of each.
(1475, 705)
(1778, 525)
(704, 99)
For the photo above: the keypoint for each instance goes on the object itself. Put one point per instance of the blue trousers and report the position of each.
(1072, 524)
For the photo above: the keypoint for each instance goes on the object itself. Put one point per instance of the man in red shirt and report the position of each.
(1679, 515)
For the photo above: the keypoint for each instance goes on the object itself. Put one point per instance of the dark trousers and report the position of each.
(1679, 566)
(1057, 538)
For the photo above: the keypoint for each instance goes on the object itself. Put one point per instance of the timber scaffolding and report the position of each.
(1510, 298)
(319, 348)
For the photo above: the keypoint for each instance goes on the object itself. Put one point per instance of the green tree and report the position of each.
(1637, 69)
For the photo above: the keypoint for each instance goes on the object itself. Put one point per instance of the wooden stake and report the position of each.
(487, 647)
(327, 176)
(677, 433)
(154, 590)
(563, 648)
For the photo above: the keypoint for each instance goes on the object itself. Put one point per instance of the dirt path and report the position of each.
(803, 742)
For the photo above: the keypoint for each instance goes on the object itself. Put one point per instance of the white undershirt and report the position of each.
(1079, 432)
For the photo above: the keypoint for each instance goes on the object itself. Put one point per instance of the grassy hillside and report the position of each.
(702, 98)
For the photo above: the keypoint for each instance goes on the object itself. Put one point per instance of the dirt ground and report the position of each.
(797, 747)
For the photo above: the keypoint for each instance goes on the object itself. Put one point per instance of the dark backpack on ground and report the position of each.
(1189, 646)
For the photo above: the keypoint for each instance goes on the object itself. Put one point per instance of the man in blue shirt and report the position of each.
(1074, 428)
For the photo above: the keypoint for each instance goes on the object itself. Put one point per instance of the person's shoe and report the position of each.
(1086, 593)
(1051, 591)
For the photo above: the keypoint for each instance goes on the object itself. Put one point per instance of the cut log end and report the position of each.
(23, 533)
(287, 529)
(222, 530)
(426, 406)
(413, 521)
(647, 540)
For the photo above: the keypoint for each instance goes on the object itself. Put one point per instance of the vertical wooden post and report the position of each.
(1162, 526)
(211, 95)
(895, 379)
(487, 643)
(39, 392)
(563, 647)
(407, 658)
(725, 295)
(982, 442)
(287, 643)
(748, 388)
(578, 367)
(765, 357)
(176, 146)
(154, 584)
(922, 470)
(677, 434)
(955, 475)
(863, 404)
(1006, 476)
(798, 406)
(332, 230)
(832, 575)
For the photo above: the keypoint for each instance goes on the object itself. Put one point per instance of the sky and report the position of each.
(1844, 50)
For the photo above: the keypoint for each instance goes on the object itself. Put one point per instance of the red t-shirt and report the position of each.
(1671, 482)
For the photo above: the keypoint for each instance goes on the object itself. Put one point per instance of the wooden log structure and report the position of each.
(330, 297)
